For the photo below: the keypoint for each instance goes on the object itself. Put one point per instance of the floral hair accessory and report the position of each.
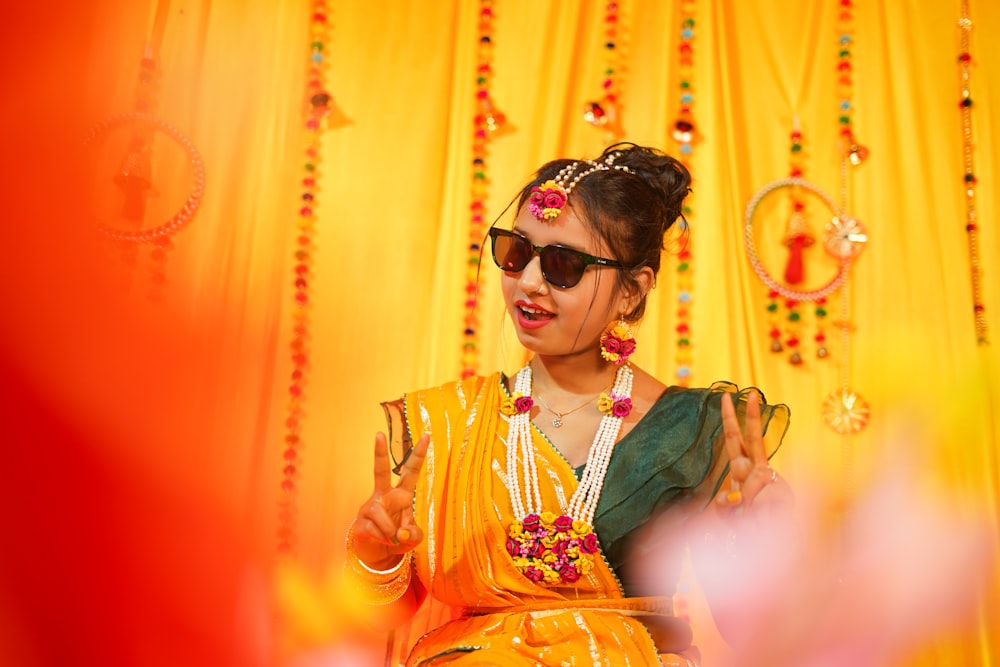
(614, 405)
(618, 342)
(516, 404)
(547, 200)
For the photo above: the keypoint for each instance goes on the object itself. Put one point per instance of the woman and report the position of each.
(529, 504)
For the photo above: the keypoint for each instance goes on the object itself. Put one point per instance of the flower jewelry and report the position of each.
(516, 404)
(618, 342)
(552, 549)
(547, 548)
(547, 200)
(614, 405)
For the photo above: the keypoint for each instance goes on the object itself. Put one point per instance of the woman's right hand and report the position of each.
(385, 529)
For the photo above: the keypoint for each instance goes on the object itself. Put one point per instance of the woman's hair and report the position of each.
(630, 211)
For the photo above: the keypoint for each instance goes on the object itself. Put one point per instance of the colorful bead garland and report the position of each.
(969, 181)
(319, 106)
(684, 132)
(487, 122)
(605, 113)
(854, 151)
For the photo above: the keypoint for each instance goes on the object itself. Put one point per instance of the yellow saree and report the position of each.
(500, 616)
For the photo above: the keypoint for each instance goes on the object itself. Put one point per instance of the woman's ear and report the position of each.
(643, 279)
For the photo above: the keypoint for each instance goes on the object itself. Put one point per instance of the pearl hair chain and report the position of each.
(583, 503)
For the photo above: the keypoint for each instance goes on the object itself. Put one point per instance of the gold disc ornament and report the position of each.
(845, 411)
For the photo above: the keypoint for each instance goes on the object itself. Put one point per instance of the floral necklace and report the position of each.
(547, 548)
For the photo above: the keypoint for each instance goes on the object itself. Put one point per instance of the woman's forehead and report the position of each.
(566, 229)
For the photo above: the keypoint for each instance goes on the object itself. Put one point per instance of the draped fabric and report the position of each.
(670, 459)
(179, 407)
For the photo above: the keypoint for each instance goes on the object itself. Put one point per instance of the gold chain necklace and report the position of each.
(557, 421)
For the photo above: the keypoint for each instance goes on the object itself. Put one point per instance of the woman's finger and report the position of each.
(731, 429)
(753, 437)
(383, 469)
(409, 533)
(414, 462)
(383, 524)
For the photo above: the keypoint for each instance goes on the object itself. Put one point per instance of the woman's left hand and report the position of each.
(753, 483)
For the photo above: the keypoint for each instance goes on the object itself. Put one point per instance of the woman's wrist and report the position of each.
(377, 585)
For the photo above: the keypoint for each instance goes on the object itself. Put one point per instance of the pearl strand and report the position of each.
(583, 503)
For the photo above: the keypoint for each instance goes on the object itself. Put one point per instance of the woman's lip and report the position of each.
(526, 323)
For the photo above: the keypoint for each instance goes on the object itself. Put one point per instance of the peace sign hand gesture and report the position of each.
(752, 481)
(385, 528)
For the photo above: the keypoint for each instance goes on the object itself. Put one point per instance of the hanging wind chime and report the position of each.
(126, 145)
(843, 238)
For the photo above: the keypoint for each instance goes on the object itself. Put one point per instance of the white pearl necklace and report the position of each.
(583, 503)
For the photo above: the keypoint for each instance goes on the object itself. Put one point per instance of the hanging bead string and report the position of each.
(162, 245)
(797, 237)
(487, 123)
(854, 151)
(852, 409)
(605, 113)
(684, 134)
(318, 107)
(846, 111)
(969, 180)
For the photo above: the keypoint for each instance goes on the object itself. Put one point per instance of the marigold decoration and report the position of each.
(618, 343)
(547, 200)
(320, 113)
(550, 549)
(969, 180)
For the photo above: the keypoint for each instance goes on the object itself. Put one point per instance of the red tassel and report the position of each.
(794, 270)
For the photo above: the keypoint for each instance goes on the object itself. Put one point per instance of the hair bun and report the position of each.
(666, 175)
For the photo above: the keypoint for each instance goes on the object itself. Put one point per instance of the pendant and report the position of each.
(557, 421)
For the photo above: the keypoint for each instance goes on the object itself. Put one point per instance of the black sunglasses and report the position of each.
(561, 266)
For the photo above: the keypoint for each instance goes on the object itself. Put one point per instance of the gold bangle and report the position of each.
(377, 587)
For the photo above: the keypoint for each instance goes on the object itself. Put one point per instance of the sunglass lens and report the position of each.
(562, 267)
(510, 252)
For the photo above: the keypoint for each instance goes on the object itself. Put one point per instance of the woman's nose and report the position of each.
(532, 280)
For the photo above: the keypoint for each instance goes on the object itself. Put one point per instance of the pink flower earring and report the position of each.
(618, 342)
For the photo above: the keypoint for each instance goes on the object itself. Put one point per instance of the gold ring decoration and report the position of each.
(842, 239)
(193, 201)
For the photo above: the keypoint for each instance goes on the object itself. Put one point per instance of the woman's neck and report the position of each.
(575, 374)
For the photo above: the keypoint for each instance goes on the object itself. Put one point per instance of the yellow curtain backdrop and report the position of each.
(391, 245)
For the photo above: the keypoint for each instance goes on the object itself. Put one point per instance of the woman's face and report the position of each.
(551, 320)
